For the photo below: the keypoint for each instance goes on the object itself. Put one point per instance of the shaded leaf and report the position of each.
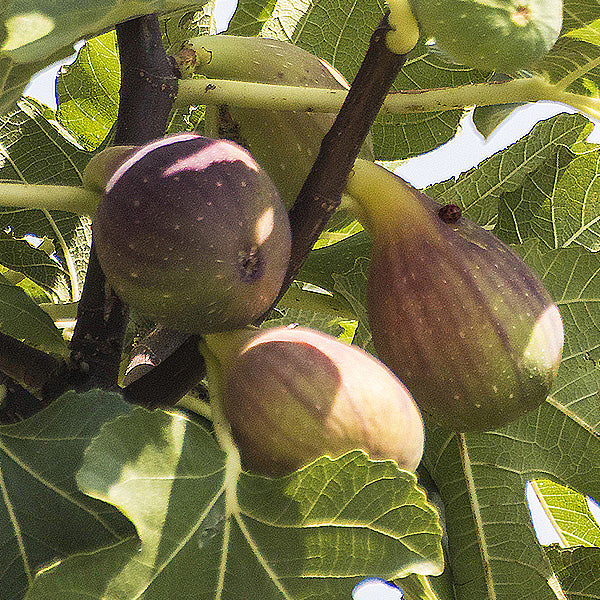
(314, 533)
(577, 569)
(23, 319)
(43, 515)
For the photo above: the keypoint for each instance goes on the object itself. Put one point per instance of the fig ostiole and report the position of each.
(503, 35)
(454, 312)
(291, 395)
(192, 233)
(285, 143)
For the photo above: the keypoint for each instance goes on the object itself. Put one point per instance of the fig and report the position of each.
(292, 395)
(504, 35)
(192, 233)
(453, 311)
(285, 143)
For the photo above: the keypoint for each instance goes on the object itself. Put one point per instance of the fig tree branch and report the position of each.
(321, 193)
(305, 99)
(148, 88)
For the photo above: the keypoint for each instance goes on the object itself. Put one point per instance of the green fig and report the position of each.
(454, 312)
(192, 233)
(291, 395)
(503, 35)
(285, 143)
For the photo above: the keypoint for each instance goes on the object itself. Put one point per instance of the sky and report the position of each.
(467, 149)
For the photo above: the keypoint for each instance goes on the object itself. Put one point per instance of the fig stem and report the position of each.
(377, 193)
(233, 466)
(405, 30)
(50, 197)
(304, 99)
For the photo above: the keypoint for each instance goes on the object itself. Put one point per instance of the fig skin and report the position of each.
(504, 35)
(292, 395)
(191, 232)
(454, 312)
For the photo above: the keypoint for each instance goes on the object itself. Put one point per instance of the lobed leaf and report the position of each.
(315, 533)
(43, 515)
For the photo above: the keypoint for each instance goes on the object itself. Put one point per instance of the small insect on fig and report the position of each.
(450, 213)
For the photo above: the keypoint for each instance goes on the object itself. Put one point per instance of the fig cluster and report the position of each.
(192, 232)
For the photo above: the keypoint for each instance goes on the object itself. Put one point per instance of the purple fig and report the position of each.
(454, 312)
(191, 232)
(294, 394)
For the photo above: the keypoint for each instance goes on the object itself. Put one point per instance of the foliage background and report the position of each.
(539, 194)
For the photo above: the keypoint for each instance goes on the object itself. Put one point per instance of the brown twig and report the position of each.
(322, 191)
(148, 90)
(173, 375)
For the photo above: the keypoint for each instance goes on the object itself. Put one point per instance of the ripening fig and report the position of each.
(503, 35)
(454, 312)
(291, 395)
(192, 233)
(284, 142)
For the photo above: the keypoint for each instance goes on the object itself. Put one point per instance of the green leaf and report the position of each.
(577, 569)
(88, 91)
(478, 190)
(250, 17)
(572, 63)
(531, 210)
(314, 533)
(22, 318)
(37, 151)
(569, 512)
(43, 515)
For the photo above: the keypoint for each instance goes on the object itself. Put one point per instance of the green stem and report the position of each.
(282, 97)
(233, 465)
(49, 197)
